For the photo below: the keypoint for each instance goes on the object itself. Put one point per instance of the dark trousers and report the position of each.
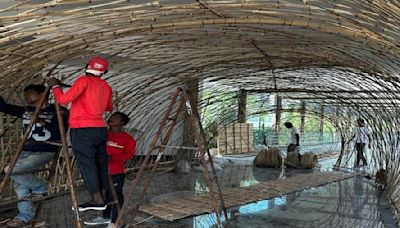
(360, 153)
(89, 146)
(291, 148)
(112, 211)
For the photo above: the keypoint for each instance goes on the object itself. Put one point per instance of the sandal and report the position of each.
(34, 196)
(16, 222)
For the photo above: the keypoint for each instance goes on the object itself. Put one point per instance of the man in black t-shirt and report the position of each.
(36, 152)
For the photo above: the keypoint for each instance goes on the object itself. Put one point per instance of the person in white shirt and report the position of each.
(362, 138)
(294, 137)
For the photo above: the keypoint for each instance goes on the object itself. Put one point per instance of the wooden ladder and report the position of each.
(169, 122)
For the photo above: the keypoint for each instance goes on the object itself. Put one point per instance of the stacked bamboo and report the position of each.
(270, 158)
(236, 139)
(308, 160)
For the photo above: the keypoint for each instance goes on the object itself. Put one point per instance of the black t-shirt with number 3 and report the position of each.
(44, 130)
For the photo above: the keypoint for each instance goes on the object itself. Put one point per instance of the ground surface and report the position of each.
(354, 202)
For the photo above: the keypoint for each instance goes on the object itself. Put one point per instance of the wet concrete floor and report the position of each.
(354, 202)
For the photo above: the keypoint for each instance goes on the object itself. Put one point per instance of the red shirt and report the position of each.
(121, 146)
(90, 97)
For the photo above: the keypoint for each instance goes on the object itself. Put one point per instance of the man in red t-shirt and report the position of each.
(121, 146)
(90, 97)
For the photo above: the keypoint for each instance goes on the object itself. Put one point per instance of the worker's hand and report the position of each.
(53, 82)
(40, 121)
(297, 145)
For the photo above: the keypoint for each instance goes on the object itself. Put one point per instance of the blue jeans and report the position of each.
(29, 182)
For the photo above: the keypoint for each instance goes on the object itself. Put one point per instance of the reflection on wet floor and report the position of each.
(354, 202)
(348, 203)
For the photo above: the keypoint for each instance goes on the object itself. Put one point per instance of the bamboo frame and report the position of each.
(343, 54)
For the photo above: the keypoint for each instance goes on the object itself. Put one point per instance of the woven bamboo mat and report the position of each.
(194, 205)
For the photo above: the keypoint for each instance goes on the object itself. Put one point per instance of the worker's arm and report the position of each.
(75, 91)
(10, 109)
(126, 153)
(297, 139)
(109, 104)
(129, 150)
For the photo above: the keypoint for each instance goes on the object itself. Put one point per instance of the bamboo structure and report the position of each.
(342, 54)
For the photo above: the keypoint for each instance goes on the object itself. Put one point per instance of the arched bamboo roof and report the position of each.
(336, 52)
(321, 48)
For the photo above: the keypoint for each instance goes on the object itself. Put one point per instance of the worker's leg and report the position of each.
(85, 147)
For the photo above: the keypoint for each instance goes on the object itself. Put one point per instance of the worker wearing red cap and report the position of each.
(90, 96)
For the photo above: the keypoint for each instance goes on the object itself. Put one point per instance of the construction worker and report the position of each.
(293, 155)
(294, 136)
(35, 153)
(90, 98)
(362, 138)
(121, 146)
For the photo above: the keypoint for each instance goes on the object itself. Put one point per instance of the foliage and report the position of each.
(220, 110)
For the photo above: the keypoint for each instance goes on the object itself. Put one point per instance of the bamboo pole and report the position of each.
(133, 185)
(68, 166)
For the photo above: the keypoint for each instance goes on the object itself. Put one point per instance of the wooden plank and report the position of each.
(236, 139)
(188, 206)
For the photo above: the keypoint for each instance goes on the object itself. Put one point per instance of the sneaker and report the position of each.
(91, 206)
(35, 196)
(97, 221)
(112, 225)
(16, 222)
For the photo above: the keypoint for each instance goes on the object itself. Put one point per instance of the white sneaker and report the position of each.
(112, 225)
(97, 221)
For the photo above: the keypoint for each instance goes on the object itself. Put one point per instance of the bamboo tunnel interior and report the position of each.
(230, 73)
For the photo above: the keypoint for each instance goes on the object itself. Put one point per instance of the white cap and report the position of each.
(94, 72)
